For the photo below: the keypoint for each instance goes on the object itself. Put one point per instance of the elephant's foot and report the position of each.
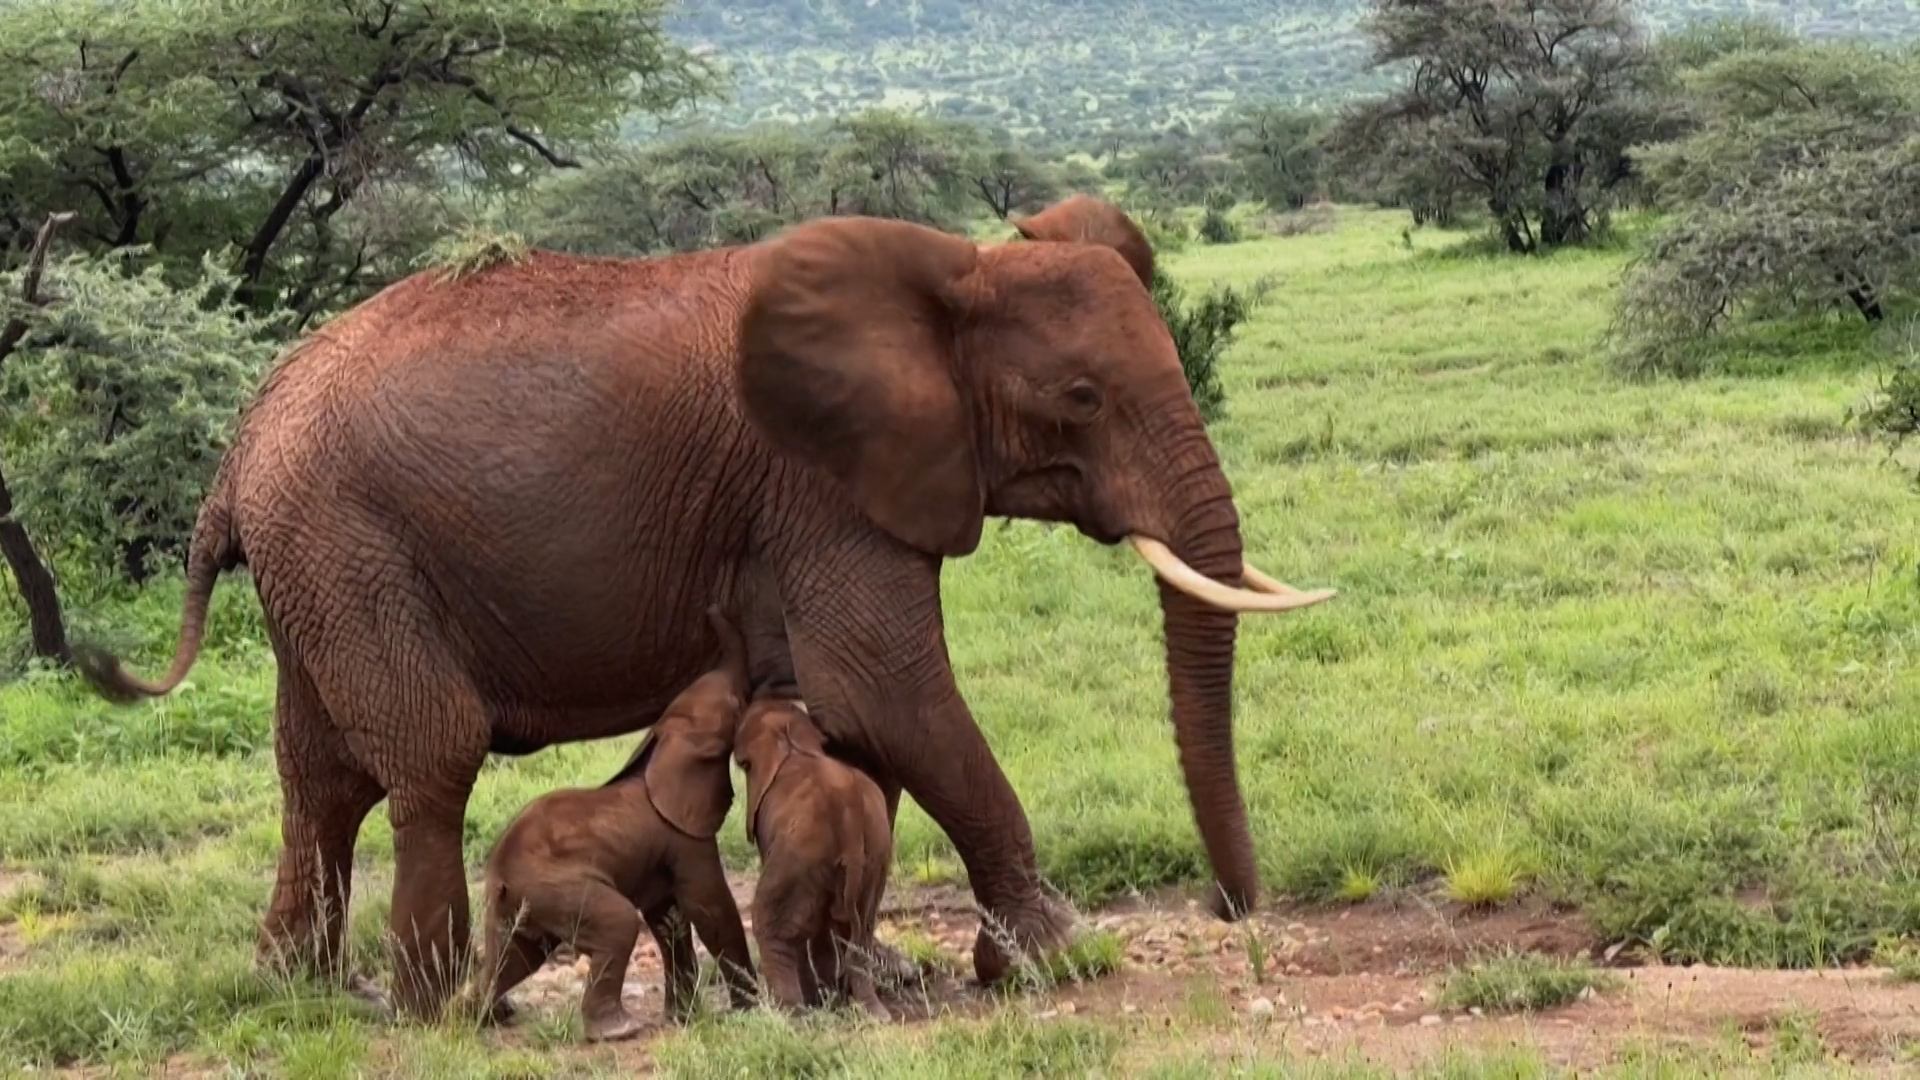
(612, 1026)
(1033, 934)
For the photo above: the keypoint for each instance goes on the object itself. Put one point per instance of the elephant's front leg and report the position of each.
(871, 658)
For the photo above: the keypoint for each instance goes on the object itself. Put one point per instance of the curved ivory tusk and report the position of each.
(1201, 587)
(1260, 582)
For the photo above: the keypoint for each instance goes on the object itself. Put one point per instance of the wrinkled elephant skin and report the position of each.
(486, 513)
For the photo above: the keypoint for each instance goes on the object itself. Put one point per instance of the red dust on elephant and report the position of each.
(487, 514)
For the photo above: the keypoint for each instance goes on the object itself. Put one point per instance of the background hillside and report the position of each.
(1073, 68)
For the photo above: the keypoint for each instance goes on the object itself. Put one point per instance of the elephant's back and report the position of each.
(545, 314)
(550, 447)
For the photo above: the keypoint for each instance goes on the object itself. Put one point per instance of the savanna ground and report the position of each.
(1604, 758)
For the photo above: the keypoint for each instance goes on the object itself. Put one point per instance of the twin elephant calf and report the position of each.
(585, 866)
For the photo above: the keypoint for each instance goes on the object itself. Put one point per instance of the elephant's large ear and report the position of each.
(1086, 220)
(687, 780)
(847, 362)
(760, 780)
(796, 735)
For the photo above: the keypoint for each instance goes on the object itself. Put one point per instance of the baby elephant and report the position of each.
(825, 844)
(576, 863)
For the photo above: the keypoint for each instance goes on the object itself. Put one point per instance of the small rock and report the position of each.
(1260, 1006)
(1129, 1008)
(1476, 1011)
(582, 966)
(1430, 1020)
(1586, 994)
(1048, 1015)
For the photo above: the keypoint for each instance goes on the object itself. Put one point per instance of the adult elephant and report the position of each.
(487, 513)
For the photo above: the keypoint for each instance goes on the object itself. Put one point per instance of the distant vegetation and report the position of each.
(306, 160)
(1069, 70)
(1605, 620)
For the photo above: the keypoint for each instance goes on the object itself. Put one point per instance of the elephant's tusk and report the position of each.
(1260, 582)
(1178, 574)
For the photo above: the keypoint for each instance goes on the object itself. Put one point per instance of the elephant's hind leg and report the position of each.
(418, 724)
(326, 796)
(427, 803)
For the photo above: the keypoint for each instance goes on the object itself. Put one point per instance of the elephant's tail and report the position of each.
(214, 550)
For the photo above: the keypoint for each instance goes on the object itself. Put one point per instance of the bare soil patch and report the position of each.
(1364, 981)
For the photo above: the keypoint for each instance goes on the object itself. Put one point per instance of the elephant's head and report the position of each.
(684, 757)
(940, 381)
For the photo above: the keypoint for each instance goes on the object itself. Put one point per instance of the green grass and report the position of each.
(1641, 647)
(1520, 982)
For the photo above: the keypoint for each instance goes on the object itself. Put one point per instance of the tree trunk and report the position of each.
(48, 622)
(1863, 297)
(44, 617)
(1562, 220)
(268, 234)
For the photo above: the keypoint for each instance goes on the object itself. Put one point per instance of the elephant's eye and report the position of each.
(1085, 396)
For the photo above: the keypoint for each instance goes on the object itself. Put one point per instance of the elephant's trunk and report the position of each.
(1205, 534)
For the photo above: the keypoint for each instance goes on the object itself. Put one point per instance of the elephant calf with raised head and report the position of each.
(826, 843)
(575, 865)
(485, 514)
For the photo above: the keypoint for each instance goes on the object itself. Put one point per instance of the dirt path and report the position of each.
(1364, 981)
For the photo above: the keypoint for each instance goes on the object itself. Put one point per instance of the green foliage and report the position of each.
(1278, 155)
(1798, 191)
(190, 126)
(1539, 132)
(709, 188)
(118, 403)
(1900, 958)
(1009, 181)
(1007, 1044)
(1168, 171)
(1073, 72)
(1658, 637)
(1696, 45)
(1202, 329)
(1217, 228)
(1518, 982)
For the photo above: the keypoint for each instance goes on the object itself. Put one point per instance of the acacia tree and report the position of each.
(1008, 180)
(1170, 169)
(1531, 104)
(191, 125)
(892, 164)
(1798, 189)
(1277, 153)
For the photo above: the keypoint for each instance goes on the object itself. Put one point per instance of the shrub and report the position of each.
(117, 405)
(1202, 330)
